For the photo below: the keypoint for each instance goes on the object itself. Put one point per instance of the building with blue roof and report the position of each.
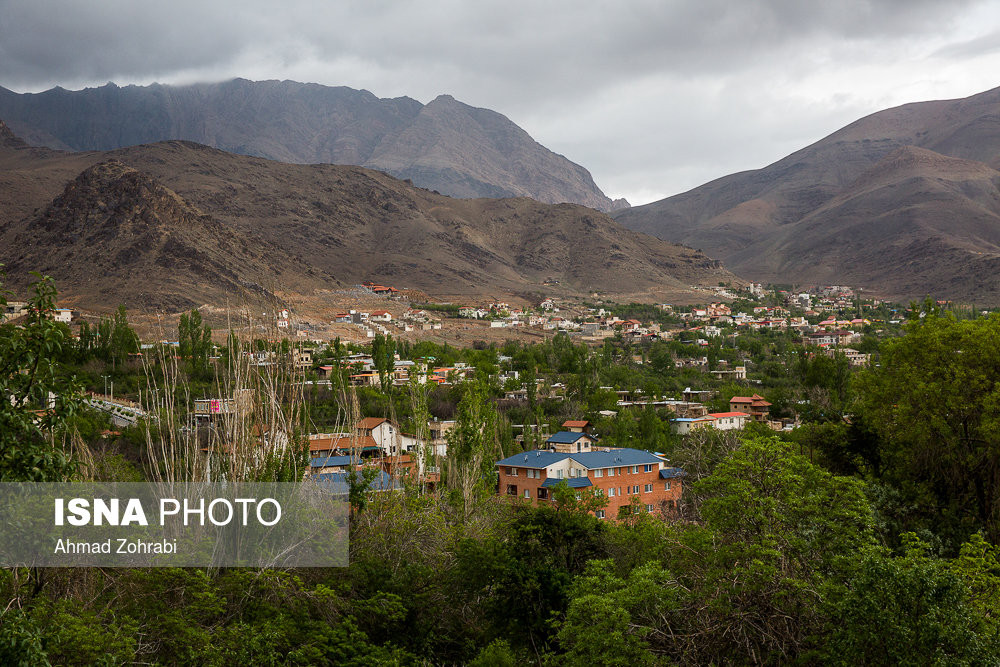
(571, 441)
(336, 482)
(332, 463)
(630, 479)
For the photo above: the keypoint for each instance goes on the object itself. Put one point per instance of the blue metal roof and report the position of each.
(616, 457)
(670, 473)
(336, 482)
(568, 437)
(572, 482)
(328, 461)
(541, 458)
(536, 458)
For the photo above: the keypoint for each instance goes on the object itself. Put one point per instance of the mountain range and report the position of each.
(445, 145)
(171, 225)
(903, 203)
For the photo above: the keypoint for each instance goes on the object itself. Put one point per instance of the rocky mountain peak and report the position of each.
(8, 139)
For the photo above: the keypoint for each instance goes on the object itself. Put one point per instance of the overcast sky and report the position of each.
(654, 97)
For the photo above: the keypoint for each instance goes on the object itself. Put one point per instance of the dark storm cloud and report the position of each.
(655, 87)
(516, 42)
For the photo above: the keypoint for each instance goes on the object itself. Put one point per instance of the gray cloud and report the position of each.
(648, 94)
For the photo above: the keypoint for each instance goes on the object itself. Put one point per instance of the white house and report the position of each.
(727, 421)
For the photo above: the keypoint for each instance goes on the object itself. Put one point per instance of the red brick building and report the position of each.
(619, 474)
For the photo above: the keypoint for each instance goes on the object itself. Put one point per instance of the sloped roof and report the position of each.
(541, 458)
(616, 457)
(756, 400)
(330, 461)
(344, 442)
(535, 458)
(568, 437)
(371, 422)
(336, 482)
(670, 473)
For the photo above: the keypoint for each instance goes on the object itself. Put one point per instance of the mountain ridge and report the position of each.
(930, 169)
(266, 226)
(445, 145)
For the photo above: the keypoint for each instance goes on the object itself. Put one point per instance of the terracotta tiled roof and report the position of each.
(342, 443)
(371, 422)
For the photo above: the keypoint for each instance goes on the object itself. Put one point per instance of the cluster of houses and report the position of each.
(15, 311)
(365, 373)
(502, 315)
(742, 410)
(631, 480)
(379, 290)
(378, 320)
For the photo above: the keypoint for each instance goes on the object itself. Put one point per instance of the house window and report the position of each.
(512, 489)
(559, 474)
(666, 485)
(599, 514)
(578, 496)
(611, 472)
(512, 472)
(527, 493)
(598, 473)
(649, 508)
(635, 470)
(648, 468)
(543, 494)
(611, 493)
(648, 488)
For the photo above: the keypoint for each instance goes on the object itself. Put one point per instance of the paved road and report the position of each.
(121, 414)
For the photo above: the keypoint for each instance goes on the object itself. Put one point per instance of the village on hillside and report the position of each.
(723, 359)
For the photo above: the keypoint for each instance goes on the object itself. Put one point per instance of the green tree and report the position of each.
(780, 536)
(609, 619)
(36, 398)
(474, 443)
(116, 339)
(195, 340)
(934, 402)
(522, 576)
(384, 358)
(911, 609)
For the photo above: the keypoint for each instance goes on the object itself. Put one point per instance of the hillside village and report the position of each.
(715, 350)
(537, 433)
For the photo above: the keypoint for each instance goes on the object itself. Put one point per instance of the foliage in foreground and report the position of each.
(784, 567)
